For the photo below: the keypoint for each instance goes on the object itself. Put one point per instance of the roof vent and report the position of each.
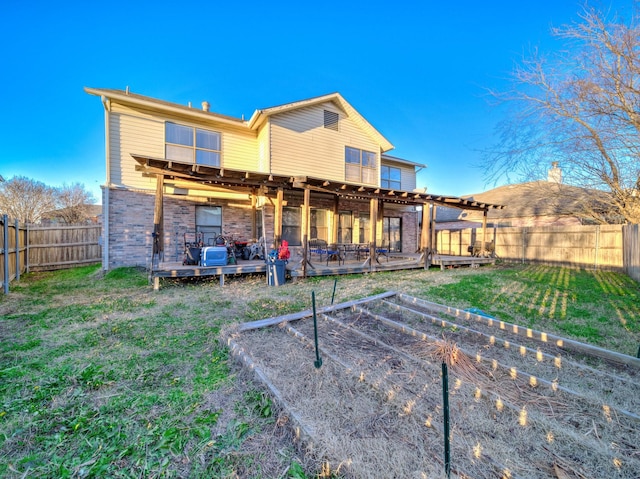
(331, 120)
(205, 106)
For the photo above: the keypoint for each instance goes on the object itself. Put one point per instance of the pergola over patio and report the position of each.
(258, 184)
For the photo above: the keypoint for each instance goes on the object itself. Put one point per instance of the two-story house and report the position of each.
(309, 169)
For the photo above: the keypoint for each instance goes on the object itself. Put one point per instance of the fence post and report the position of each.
(595, 265)
(26, 251)
(5, 239)
(17, 250)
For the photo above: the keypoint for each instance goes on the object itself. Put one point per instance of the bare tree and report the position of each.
(25, 199)
(581, 108)
(73, 202)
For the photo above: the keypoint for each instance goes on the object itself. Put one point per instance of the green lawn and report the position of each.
(102, 377)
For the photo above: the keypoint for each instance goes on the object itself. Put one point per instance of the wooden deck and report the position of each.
(452, 261)
(295, 269)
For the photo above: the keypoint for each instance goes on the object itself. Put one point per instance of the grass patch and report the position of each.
(102, 377)
(594, 306)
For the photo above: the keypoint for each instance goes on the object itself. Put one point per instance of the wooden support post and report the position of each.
(156, 283)
(306, 215)
(373, 230)
(158, 221)
(254, 209)
(277, 219)
(430, 247)
(434, 232)
(306, 228)
(381, 225)
(424, 231)
(484, 232)
(426, 237)
(336, 221)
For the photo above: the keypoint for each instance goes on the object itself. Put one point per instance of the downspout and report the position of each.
(105, 193)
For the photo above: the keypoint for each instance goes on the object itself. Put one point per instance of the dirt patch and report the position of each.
(374, 407)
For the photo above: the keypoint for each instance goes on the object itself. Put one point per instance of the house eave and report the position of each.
(163, 106)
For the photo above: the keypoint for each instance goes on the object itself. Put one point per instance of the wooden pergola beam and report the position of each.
(277, 218)
(158, 221)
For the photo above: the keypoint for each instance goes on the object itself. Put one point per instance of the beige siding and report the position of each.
(300, 145)
(264, 158)
(142, 131)
(131, 134)
(407, 174)
(408, 179)
(239, 150)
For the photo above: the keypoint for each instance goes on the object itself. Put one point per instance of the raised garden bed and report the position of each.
(523, 403)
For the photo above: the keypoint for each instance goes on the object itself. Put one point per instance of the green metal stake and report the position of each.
(318, 362)
(335, 282)
(445, 401)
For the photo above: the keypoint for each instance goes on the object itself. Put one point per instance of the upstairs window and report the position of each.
(390, 177)
(331, 120)
(360, 166)
(192, 145)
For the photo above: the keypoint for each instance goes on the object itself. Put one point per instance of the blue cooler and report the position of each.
(214, 256)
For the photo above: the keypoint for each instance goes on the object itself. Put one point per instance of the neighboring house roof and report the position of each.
(536, 199)
(259, 116)
(90, 212)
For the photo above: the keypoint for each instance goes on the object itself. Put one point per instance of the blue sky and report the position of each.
(416, 70)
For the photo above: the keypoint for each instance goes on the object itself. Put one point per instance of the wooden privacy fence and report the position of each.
(38, 248)
(631, 252)
(62, 247)
(595, 247)
(13, 251)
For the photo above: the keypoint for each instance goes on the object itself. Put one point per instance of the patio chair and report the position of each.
(317, 247)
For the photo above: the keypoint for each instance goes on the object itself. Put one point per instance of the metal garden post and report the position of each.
(318, 362)
(335, 282)
(445, 403)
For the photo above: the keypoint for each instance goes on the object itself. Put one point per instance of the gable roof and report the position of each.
(259, 116)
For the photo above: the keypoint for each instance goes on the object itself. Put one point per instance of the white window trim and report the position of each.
(372, 170)
(388, 179)
(193, 148)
